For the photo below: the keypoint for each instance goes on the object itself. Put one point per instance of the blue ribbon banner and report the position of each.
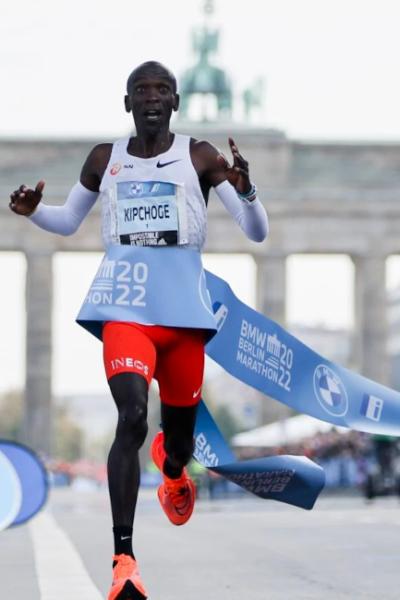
(144, 285)
(23, 484)
(292, 479)
(263, 355)
(167, 286)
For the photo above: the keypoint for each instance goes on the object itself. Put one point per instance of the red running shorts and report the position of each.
(174, 356)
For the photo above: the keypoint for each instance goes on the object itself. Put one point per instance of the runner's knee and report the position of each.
(130, 392)
(132, 425)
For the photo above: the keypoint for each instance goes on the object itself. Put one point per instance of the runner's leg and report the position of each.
(178, 423)
(129, 391)
(129, 358)
(180, 376)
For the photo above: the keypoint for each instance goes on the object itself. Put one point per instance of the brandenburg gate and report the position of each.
(321, 198)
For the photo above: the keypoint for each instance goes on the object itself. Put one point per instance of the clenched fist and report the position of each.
(25, 200)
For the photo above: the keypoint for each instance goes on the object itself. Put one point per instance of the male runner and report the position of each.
(174, 356)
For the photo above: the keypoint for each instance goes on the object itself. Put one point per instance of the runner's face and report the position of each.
(152, 101)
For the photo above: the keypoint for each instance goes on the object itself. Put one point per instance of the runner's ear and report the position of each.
(127, 103)
(176, 103)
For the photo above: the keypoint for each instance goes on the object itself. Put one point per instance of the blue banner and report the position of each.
(171, 289)
(167, 286)
(263, 355)
(11, 493)
(23, 484)
(294, 480)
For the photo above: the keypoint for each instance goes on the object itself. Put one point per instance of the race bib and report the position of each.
(150, 213)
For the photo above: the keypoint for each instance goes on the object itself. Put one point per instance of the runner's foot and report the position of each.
(176, 496)
(126, 583)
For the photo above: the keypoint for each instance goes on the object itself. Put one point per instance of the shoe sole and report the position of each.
(129, 592)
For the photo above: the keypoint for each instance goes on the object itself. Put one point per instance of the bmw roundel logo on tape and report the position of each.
(330, 391)
(23, 484)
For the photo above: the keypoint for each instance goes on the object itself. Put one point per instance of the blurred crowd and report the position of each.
(350, 459)
(64, 472)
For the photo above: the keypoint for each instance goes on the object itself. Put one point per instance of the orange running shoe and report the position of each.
(176, 496)
(126, 583)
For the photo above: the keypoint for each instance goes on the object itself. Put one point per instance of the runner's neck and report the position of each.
(150, 146)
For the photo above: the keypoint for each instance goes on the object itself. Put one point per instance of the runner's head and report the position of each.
(151, 95)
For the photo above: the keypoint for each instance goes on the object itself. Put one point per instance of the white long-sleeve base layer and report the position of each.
(251, 217)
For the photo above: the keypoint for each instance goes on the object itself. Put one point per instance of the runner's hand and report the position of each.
(25, 200)
(238, 173)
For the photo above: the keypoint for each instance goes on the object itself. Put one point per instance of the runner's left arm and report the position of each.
(237, 193)
(250, 215)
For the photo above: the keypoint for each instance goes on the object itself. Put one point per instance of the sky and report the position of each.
(331, 72)
(330, 67)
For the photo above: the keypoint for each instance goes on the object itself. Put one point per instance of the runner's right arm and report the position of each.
(64, 219)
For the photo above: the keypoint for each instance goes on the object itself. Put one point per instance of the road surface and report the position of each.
(230, 549)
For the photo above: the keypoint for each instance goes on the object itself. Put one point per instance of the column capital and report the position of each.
(269, 255)
(367, 256)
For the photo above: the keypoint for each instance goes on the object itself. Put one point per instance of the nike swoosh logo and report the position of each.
(195, 394)
(171, 162)
(126, 537)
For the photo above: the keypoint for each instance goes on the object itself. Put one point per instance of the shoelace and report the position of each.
(124, 567)
(178, 492)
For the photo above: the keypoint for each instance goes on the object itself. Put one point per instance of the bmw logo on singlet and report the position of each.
(330, 391)
(135, 188)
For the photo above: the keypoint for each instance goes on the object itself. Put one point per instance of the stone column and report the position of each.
(37, 423)
(271, 301)
(271, 287)
(371, 317)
